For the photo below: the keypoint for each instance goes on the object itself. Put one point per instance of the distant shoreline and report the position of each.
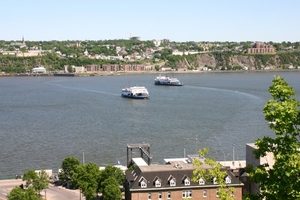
(150, 72)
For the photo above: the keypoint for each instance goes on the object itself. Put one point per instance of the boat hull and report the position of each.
(134, 97)
(168, 84)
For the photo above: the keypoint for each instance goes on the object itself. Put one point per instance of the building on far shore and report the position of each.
(260, 47)
(39, 69)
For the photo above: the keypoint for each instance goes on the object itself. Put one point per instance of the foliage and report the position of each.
(157, 67)
(86, 178)
(73, 53)
(111, 189)
(287, 58)
(111, 171)
(68, 165)
(38, 181)
(18, 193)
(264, 59)
(280, 181)
(132, 167)
(214, 172)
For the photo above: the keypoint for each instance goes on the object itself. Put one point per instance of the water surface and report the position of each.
(46, 119)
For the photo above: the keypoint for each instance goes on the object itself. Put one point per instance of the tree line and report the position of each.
(53, 62)
(85, 177)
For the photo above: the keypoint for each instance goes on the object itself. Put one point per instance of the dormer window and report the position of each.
(143, 184)
(215, 180)
(187, 181)
(157, 183)
(228, 180)
(201, 181)
(172, 182)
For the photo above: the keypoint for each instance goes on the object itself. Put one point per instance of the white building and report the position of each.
(39, 69)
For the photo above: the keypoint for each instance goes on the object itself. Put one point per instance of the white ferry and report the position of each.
(166, 80)
(135, 92)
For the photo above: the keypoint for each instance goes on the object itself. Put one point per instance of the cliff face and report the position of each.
(234, 60)
(271, 61)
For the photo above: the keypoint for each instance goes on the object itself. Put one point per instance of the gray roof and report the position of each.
(178, 171)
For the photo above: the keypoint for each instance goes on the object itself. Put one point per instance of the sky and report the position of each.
(176, 20)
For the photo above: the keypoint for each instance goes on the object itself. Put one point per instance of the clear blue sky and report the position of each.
(177, 20)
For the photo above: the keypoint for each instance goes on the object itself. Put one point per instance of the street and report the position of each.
(51, 193)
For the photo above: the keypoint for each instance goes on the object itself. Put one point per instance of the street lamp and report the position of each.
(197, 143)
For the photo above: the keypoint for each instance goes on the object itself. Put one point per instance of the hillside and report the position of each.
(228, 60)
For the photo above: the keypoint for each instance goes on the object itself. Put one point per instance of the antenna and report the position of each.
(129, 35)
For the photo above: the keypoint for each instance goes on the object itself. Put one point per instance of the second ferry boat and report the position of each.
(166, 80)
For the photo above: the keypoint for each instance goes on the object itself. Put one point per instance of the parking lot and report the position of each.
(51, 193)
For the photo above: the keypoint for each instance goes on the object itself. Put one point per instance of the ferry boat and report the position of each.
(166, 80)
(135, 92)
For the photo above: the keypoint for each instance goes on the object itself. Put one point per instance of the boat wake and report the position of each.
(82, 90)
(225, 90)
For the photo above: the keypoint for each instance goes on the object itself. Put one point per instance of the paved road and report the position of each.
(52, 193)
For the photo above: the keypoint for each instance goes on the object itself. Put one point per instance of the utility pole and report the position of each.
(197, 144)
(233, 153)
(83, 157)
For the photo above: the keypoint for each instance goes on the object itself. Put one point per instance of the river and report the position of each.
(46, 119)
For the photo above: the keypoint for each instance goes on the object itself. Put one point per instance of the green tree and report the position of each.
(111, 171)
(111, 189)
(18, 193)
(157, 67)
(215, 171)
(86, 178)
(280, 181)
(68, 165)
(38, 181)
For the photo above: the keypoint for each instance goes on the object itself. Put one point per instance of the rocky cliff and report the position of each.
(259, 61)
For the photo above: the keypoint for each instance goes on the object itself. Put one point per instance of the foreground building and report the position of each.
(173, 180)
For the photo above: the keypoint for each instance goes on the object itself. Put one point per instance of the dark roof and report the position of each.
(178, 171)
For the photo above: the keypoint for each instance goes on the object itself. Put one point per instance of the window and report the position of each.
(159, 196)
(187, 194)
(228, 180)
(172, 182)
(215, 180)
(187, 181)
(201, 181)
(169, 195)
(204, 193)
(157, 183)
(143, 184)
(149, 196)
